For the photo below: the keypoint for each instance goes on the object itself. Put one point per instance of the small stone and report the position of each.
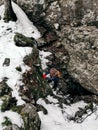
(6, 62)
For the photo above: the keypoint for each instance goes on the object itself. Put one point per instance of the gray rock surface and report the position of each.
(4, 88)
(61, 12)
(13, 127)
(82, 45)
(30, 117)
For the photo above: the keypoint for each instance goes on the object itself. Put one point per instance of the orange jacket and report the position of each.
(54, 72)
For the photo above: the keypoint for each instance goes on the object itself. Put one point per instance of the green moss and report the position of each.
(5, 89)
(17, 109)
(21, 40)
(4, 104)
(20, 36)
(6, 122)
(29, 123)
(9, 15)
(8, 103)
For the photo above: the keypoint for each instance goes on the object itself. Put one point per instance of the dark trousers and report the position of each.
(55, 80)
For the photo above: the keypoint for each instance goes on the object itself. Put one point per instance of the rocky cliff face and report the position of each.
(82, 45)
(75, 22)
(61, 12)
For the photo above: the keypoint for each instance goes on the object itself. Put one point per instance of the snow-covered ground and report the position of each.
(56, 119)
(8, 49)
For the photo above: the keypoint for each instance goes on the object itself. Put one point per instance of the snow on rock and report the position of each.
(56, 119)
(8, 49)
(14, 53)
(28, 28)
(24, 26)
(14, 117)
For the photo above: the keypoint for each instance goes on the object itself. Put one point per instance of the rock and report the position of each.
(6, 62)
(61, 12)
(32, 58)
(74, 22)
(50, 37)
(58, 44)
(23, 41)
(62, 87)
(30, 117)
(4, 88)
(13, 127)
(58, 54)
(5, 79)
(83, 52)
(18, 68)
(8, 102)
(51, 57)
(25, 98)
(40, 41)
(41, 108)
(38, 87)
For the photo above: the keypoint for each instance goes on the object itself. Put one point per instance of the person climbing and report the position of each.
(52, 75)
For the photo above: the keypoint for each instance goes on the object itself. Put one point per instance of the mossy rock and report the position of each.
(39, 88)
(32, 58)
(13, 127)
(8, 103)
(17, 108)
(41, 108)
(30, 117)
(23, 41)
(9, 15)
(4, 88)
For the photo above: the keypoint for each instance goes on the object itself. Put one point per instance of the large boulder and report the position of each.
(52, 16)
(79, 40)
(30, 117)
(82, 46)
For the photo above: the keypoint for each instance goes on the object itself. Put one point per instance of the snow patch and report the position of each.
(44, 61)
